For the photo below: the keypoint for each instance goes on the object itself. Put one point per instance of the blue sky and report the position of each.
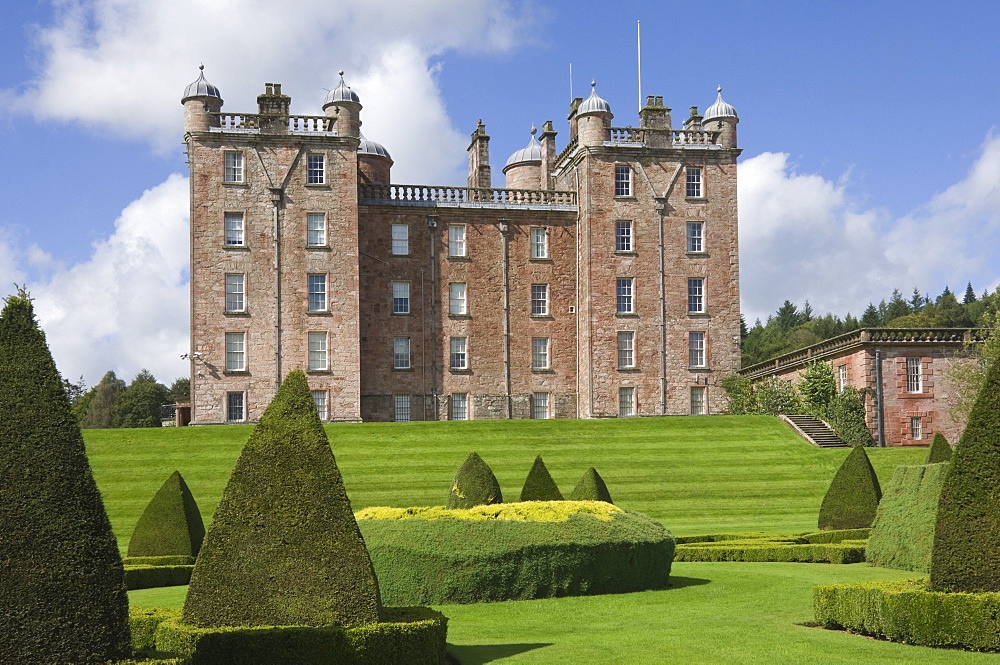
(871, 150)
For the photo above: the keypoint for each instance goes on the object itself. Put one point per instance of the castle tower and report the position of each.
(200, 100)
(721, 117)
(374, 162)
(524, 167)
(593, 118)
(343, 104)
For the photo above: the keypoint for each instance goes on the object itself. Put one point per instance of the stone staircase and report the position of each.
(815, 431)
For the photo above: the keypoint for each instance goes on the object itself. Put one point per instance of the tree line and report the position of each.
(113, 403)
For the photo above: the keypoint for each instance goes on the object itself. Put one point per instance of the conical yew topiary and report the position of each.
(539, 486)
(61, 576)
(171, 525)
(939, 450)
(591, 488)
(283, 547)
(966, 554)
(474, 485)
(852, 500)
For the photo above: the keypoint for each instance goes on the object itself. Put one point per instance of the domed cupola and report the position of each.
(367, 147)
(374, 162)
(201, 100)
(342, 93)
(593, 104)
(592, 119)
(201, 88)
(343, 104)
(720, 109)
(524, 168)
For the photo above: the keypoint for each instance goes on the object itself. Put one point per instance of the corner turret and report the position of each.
(524, 168)
(722, 117)
(200, 100)
(593, 118)
(343, 104)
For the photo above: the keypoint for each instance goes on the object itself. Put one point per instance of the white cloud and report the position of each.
(10, 272)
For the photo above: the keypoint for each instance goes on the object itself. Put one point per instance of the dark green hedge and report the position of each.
(835, 535)
(591, 488)
(149, 577)
(904, 611)
(824, 553)
(284, 548)
(61, 577)
(539, 485)
(717, 537)
(853, 497)
(966, 552)
(903, 533)
(471, 561)
(474, 485)
(171, 524)
(939, 451)
(158, 561)
(413, 635)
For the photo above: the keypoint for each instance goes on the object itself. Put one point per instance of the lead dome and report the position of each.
(201, 87)
(594, 104)
(531, 153)
(720, 109)
(342, 93)
(369, 147)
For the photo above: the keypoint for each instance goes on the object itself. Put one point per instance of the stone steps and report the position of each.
(815, 431)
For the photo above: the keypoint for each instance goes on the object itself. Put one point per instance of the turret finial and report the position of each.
(533, 129)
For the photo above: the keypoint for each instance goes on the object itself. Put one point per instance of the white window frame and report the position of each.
(316, 229)
(539, 353)
(694, 186)
(457, 301)
(316, 288)
(232, 167)
(316, 169)
(317, 344)
(698, 407)
(626, 349)
(625, 295)
(400, 240)
(696, 295)
(459, 406)
(401, 353)
(916, 428)
(540, 406)
(914, 375)
(623, 236)
(458, 352)
(539, 300)
(321, 402)
(456, 240)
(539, 240)
(236, 405)
(696, 237)
(842, 377)
(236, 352)
(401, 408)
(623, 180)
(236, 293)
(400, 297)
(696, 349)
(626, 401)
(234, 231)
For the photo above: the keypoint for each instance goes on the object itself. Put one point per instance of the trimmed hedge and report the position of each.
(717, 537)
(835, 535)
(414, 635)
(525, 511)
(440, 561)
(939, 451)
(62, 585)
(966, 551)
(824, 553)
(591, 488)
(148, 577)
(158, 561)
(853, 497)
(904, 611)
(171, 524)
(539, 486)
(474, 484)
(284, 547)
(903, 533)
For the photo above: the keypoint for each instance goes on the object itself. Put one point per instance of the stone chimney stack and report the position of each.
(479, 158)
(273, 109)
(548, 153)
(655, 115)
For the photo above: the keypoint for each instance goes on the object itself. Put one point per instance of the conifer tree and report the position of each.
(474, 485)
(171, 524)
(283, 547)
(591, 488)
(62, 584)
(539, 485)
(853, 496)
(939, 450)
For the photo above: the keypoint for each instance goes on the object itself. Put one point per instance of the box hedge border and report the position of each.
(768, 552)
(149, 577)
(903, 610)
(171, 560)
(414, 635)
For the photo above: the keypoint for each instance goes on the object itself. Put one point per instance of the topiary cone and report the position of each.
(853, 496)
(474, 485)
(966, 553)
(539, 486)
(283, 547)
(591, 488)
(61, 576)
(171, 524)
(939, 450)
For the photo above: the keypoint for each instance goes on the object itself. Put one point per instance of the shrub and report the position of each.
(845, 413)
(835, 536)
(904, 611)
(539, 486)
(939, 451)
(770, 396)
(149, 577)
(736, 551)
(817, 386)
(591, 488)
(853, 497)
(452, 560)
(474, 485)
(171, 523)
(966, 553)
(903, 531)
(62, 584)
(158, 561)
(525, 511)
(284, 547)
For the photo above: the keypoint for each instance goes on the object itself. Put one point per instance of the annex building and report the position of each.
(601, 281)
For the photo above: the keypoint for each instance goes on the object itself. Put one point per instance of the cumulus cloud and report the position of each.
(802, 237)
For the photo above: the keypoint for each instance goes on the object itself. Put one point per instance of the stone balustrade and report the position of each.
(657, 136)
(434, 195)
(251, 122)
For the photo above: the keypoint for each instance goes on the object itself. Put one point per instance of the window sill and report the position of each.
(244, 185)
(696, 199)
(459, 317)
(925, 395)
(540, 259)
(696, 255)
(701, 369)
(236, 372)
(237, 315)
(459, 258)
(319, 371)
(400, 314)
(319, 313)
(401, 256)
(626, 315)
(625, 252)
(542, 370)
(319, 248)
(460, 370)
(316, 185)
(402, 369)
(625, 197)
(628, 369)
(698, 315)
(236, 248)
(542, 316)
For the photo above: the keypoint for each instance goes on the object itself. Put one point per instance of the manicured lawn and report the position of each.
(732, 613)
(696, 475)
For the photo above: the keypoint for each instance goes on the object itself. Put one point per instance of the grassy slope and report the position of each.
(696, 475)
